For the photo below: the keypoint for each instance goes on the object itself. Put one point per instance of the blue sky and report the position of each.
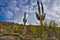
(13, 10)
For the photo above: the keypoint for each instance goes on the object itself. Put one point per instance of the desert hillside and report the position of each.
(34, 30)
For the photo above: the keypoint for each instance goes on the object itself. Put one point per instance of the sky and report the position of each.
(13, 10)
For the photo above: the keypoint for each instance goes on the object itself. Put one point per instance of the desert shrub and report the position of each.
(34, 30)
(15, 28)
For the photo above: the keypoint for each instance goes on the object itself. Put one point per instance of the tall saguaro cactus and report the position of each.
(24, 21)
(41, 15)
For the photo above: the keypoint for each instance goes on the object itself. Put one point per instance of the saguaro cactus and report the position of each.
(24, 21)
(40, 16)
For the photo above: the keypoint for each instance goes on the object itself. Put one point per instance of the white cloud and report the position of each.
(51, 7)
(9, 14)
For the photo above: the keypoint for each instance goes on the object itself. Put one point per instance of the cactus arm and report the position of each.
(42, 8)
(37, 16)
(38, 7)
(25, 15)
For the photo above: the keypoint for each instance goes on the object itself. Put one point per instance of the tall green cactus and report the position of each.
(24, 21)
(39, 16)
